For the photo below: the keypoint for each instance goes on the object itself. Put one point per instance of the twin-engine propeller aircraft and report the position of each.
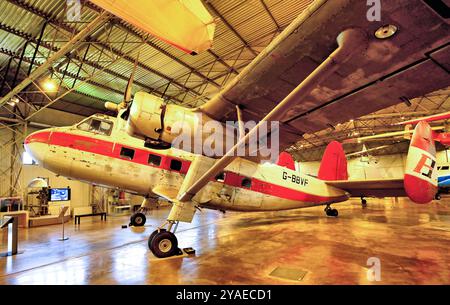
(305, 80)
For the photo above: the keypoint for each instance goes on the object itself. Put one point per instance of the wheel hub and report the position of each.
(165, 245)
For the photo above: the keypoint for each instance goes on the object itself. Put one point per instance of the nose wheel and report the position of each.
(137, 219)
(331, 212)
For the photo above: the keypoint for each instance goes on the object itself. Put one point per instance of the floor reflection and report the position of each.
(411, 241)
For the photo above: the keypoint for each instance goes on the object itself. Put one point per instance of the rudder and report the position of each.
(420, 180)
(334, 163)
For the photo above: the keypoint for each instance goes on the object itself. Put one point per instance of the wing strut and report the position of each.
(349, 42)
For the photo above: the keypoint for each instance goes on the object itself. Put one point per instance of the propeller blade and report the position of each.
(127, 95)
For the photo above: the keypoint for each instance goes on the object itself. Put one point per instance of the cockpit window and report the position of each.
(96, 126)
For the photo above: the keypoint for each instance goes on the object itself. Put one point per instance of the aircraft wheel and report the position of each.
(437, 196)
(150, 238)
(332, 212)
(163, 244)
(137, 219)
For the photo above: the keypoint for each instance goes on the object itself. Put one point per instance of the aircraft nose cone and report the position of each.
(37, 137)
(35, 145)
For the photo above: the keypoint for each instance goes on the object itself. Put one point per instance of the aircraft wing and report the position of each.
(411, 63)
(371, 188)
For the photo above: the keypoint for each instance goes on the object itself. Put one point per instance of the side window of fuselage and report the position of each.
(246, 182)
(175, 165)
(154, 160)
(127, 153)
(220, 177)
(97, 126)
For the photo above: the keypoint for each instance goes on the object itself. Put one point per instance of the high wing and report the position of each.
(411, 63)
(371, 188)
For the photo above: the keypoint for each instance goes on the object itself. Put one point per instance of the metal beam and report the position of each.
(246, 44)
(99, 20)
(38, 44)
(76, 57)
(66, 27)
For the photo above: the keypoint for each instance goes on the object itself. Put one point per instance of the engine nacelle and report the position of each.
(152, 119)
(163, 125)
(144, 119)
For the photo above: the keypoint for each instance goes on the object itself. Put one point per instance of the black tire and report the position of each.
(163, 244)
(138, 220)
(334, 213)
(437, 197)
(150, 238)
(364, 202)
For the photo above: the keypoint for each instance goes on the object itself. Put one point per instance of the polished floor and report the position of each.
(411, 242)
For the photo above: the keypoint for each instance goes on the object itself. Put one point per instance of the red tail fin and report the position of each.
(420, 179)
(334, 163)
(285, 159)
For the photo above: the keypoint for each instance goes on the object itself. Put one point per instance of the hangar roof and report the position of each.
(33, 30)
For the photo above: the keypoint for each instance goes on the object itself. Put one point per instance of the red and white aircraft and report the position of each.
(295, 81)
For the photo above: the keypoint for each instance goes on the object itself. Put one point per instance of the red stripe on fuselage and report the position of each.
(112, 150)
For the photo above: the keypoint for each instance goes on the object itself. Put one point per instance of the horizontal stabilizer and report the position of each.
(371, 188)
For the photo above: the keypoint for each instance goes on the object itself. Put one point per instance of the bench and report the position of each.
(101, 214)
(121, 208)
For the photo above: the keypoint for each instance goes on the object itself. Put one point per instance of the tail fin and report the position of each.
(334, 163)
(285, 159)
(420, 180)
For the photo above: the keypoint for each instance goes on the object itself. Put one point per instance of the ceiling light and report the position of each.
(386, 31)
(13, 101)
(49, 85)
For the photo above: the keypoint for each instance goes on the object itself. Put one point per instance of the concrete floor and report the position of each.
(411, 241)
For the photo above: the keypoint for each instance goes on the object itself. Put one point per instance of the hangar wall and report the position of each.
(6, 136)
(80, 190)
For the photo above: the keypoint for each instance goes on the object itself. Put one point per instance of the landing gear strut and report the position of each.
(331, 212)
(164, 243)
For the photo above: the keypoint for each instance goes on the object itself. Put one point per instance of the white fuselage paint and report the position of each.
(110, 171)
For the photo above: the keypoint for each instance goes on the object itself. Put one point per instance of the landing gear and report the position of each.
(164, 243)
(437, 196)
(331, 212)
(363, 202)
(137, 219)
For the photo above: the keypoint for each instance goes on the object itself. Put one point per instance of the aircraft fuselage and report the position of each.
(118, 160)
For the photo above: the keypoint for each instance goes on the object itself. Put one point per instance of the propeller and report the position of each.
(127, 98)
